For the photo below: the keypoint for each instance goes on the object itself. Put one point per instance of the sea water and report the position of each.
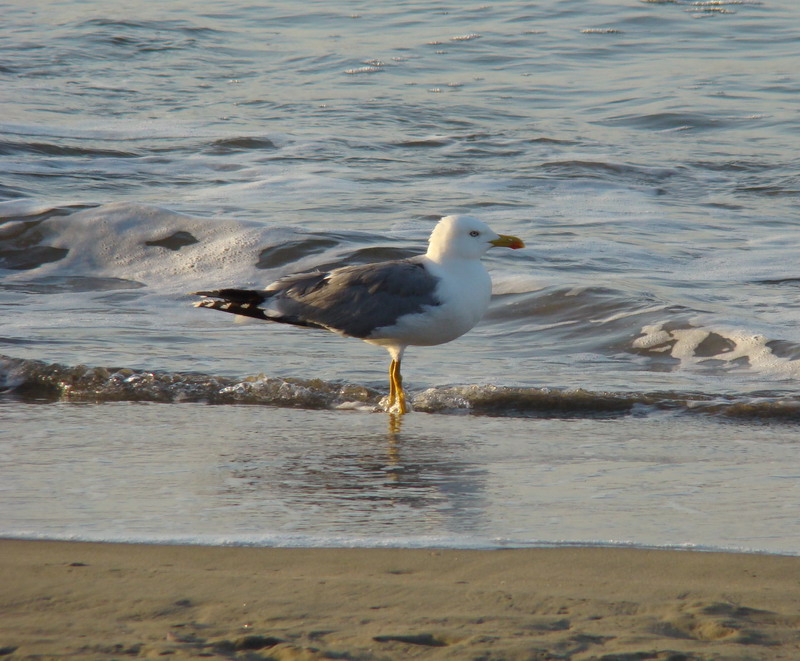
(634, 381)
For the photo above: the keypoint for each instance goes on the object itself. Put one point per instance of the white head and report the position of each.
(465, 237)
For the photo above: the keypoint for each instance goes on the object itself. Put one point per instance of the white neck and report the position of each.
(440, 255)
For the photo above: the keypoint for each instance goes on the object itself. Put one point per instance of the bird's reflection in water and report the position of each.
(393, 438)
(400, 482)
(395, 426)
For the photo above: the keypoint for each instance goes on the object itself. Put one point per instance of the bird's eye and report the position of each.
(474, 233)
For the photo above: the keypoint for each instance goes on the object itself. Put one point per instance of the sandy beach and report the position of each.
(117, 601)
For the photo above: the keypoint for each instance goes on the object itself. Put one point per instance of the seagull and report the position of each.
(420, 301)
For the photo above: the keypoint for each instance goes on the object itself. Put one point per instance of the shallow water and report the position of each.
(645, 151)
(263, 475)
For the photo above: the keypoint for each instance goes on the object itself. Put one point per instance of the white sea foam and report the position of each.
(684, 345)
(471, 542)
(112, 241)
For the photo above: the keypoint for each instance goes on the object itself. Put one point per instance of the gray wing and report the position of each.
(353, 300)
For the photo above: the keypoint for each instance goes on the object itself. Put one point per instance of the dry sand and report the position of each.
(115, 601)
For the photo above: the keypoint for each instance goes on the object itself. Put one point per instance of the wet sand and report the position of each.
(119, 601)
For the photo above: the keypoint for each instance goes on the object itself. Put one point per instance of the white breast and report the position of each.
(464, 289)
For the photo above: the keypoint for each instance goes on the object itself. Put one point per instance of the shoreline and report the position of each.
(92, 601)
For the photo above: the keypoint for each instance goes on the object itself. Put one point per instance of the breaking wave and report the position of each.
(34, 380)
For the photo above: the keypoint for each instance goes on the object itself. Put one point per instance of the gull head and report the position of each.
(465, 237)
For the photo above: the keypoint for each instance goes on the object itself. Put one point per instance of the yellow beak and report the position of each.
(508, 241)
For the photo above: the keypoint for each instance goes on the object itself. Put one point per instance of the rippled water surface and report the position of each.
(646, 152)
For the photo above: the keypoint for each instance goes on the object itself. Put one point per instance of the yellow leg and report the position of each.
(392, 387)
(397, 396)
